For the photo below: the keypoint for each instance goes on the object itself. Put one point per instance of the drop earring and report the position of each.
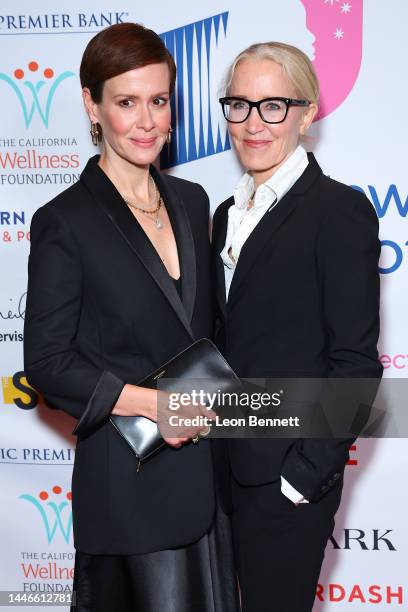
(96, 133)
(168, 137)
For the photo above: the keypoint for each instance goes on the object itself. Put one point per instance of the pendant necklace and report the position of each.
(148, 212)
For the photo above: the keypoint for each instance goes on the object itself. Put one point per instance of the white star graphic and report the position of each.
(346, 8)
(331, 1)
(338, 34)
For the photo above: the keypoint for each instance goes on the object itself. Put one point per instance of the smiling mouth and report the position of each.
(257, 144)
(144, 142)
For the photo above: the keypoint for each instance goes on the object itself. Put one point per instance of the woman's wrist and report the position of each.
(136, 401)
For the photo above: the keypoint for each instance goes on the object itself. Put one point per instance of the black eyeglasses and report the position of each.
(271, 110)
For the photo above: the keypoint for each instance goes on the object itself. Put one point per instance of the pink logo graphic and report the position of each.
(338, 28)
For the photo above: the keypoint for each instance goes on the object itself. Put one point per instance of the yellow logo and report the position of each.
(16, 390)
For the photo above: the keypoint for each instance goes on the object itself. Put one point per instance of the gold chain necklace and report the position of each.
(155, 211)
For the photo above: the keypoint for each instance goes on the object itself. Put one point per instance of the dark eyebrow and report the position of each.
(133, 97)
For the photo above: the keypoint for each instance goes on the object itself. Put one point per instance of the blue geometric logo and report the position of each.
(194, 135)
(55, 515)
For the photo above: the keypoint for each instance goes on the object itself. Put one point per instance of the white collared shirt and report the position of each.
(241, 222)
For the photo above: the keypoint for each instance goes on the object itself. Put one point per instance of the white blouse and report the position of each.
(241, 221)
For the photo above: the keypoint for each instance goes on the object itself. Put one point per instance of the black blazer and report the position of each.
(304, 302)
(102, 311)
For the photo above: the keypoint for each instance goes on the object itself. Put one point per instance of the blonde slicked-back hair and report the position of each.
(294, 62)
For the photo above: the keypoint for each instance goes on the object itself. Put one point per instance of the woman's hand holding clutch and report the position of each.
(178, 425)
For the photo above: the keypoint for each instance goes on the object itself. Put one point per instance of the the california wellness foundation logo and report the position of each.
(41, 85)
(53, 509)
(40, 160)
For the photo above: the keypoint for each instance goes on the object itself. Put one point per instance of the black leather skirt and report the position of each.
(195, 578)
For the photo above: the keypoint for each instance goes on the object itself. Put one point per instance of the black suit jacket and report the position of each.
(304, 302)
(101, 312)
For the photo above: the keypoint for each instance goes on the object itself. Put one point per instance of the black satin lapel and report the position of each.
(107, 196)
(259, 237)
(219, 236)
(185, 242)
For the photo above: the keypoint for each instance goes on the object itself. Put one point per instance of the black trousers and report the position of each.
(279, 547)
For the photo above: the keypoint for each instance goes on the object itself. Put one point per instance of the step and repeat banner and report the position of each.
(359, 50)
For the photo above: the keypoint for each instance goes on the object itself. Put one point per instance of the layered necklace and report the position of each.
(150, 213)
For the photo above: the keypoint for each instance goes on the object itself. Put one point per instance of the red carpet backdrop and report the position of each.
(359, 51)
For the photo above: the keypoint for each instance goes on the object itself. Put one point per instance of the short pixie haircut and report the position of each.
(294, 62)
(119, 48)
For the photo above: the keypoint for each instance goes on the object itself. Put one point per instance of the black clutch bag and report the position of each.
(201, 361)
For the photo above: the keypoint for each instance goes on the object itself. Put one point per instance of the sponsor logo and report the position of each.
(195, 132)
(17, 391)
(398, 361)
(12, 311)
(58, 22)
(392, 253)
(373, 539)
(10, 219)
(43, 87)
(391, 201)
(39, 456)
(356, 593)
(23, 160)
(52, 572)
(15, 309)
(48, 572)
(14, 336)
(338, 30)
(55, 515)
(25, 166)
(392, 256)
(31, 160)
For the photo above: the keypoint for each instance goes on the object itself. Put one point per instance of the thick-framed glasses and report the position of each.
(271, 110)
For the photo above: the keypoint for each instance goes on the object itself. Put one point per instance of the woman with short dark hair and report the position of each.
(119, 282)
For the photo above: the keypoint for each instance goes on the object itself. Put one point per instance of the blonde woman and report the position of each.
(298, 296)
